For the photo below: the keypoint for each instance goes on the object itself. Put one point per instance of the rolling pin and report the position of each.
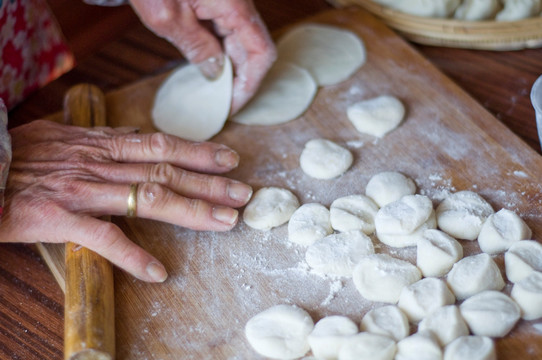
(89, 310)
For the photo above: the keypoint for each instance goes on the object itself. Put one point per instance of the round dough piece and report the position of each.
(446, 323)
(389, 186)
(381, 277)
(474, 274)
(474, 10)
(338, 254)
(377, 116)
(270, 207)
(501, 230)
(329, 53)
(428, 8)
(462, 214)
(181, 106)
(518, 9)
(472, 348)
(386, 320)
(310, 222)
(280, 332)
(437, 252)
(329, 335)
(490, 313)
(367, 346)
(323, 159)
(523, 258)
(353, 212)
(528, 294)
(419, 346)
(419, 299)
(285, 93)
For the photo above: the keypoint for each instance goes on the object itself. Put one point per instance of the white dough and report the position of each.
(501, 230)
(270, 207)
(181, 106)
(329, 53)
(386, 320)
(419, 299)
(377, 116)
(338, 254)
(528, 294)
(367, 346)
(389, 186)
(522, 258)
(518, 9)
(419, 346)
(381, 277)
(471, 348)
(474, 10)
(474, 274)
(323, 159)
(427, 8)
(310, 222)
(353, 212)
(446, 323)
(285, 93)
(329, 335)
(462, 214)
(437, 252)
(280, 332)
(490, 313)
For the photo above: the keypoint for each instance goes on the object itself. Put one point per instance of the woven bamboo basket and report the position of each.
(482, 35)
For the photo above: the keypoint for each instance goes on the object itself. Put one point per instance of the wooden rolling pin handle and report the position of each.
(89, 320)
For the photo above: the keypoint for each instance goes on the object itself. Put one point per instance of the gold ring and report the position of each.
(131, 211)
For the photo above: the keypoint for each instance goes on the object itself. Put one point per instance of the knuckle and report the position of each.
(153, 194)
(161, 144)
(162, 173)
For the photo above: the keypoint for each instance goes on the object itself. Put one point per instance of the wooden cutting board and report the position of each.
(217, 281)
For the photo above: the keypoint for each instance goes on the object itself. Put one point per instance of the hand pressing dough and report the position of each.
(181, 106)
(490, 313)
(270, 207)
(285, 93)
(437, 252)
(474, 274)
(518, 9)
(389, 186)
(474, 10)
(381, 277)
(428, 8)
(523, 258)
(446, 323)
(462, 214)
(419, 299)
(386, 320)
(353, 212)
(323, 159)
(501, 230)
(367, 346)
(528, 295)
(309, 223)
(419, 346)
(472, 348)
(338, 254)
(329, 335)
(377, 116)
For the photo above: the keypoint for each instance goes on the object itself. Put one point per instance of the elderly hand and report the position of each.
(63, 177)
(245, 38)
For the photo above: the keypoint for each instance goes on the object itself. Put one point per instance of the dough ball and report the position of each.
(474, 10)
(309, 223)
(330, 54)
(329, 335)
(462, 214)
(389, 186)
(446, 323)
(280, 332)
(472, 348)
(528, 294)
(270, 207)
(419, 346)
(386, 320)
(419, 299)
(338, 254)
(474, 274)
(367, 346)
(377, 116)
(285, 93)
(490, 313)
(523, 258)
(381, 277)
(353, 212)
(181, 106)
(428, 8)
(501, 230)
(401, 223)
(323, 159)
(437, 252)
(518, 9)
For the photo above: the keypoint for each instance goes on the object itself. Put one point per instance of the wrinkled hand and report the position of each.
(63, 177)
(245, 38)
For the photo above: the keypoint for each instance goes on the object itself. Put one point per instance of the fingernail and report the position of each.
(212, 67)
(227, 158)
(225, 215)
(157, 272)
(239, 191)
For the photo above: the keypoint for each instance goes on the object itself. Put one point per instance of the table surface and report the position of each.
(31, 302)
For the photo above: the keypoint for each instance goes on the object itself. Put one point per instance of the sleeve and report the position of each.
(5, 152)
(106, 2)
